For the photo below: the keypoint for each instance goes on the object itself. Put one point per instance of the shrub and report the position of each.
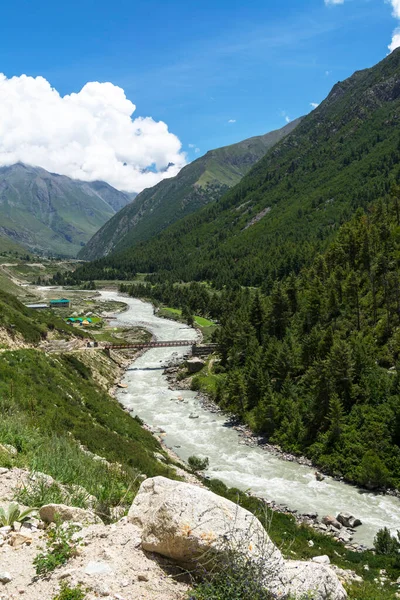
(60, 547)
(68, 593)
(373, 473)
(385, 543)
(198, 464)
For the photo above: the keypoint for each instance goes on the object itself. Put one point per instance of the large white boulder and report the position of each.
(191, 525)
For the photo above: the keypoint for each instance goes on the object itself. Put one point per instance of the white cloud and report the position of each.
(197, 150)
(232, 121)
(87, 135)
(395, 43)
(332, 2)
(314, 104)
(396, 7)
(287, 119)
(192, 146)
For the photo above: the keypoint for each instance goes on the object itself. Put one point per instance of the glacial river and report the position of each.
(236, 464)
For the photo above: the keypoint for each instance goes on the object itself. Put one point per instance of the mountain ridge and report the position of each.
(342, 156)
(202, 181)
(51, 213)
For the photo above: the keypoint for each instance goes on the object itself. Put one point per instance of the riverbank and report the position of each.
(338, 531)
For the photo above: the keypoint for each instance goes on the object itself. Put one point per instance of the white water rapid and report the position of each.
(236, 464)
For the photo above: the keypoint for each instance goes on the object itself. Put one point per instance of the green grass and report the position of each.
(206, 326)
(202, 322)
(47, 402)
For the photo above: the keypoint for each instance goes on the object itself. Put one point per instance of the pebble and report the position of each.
(5, 577)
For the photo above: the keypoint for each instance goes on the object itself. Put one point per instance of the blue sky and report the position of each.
(215, 71)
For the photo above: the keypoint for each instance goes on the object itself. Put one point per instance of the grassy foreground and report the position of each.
(53, 412)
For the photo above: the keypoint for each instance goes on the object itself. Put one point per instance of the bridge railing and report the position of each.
(161, 344)
(164, 344)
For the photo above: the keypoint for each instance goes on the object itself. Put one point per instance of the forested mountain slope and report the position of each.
(53, 214)
(342, 156)
(314, 365)
(202, 181)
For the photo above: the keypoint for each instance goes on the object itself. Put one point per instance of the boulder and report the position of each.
(49, 512)
(348, 520)
(194, 365)
(329, 520)
(195, 527)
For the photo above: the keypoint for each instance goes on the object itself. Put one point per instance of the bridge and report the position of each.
(197, 349)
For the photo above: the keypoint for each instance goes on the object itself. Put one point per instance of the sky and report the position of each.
(129, 91)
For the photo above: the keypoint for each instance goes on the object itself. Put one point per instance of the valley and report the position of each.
(275, 261)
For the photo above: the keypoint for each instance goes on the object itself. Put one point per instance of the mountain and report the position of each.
(53, 214)
(202, 181)
(340, 158)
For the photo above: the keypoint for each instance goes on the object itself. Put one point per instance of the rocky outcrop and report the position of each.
(195, 527)
(50, 512)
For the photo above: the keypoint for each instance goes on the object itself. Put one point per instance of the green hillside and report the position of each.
(10, 248)
(51, 405)
(199, 183)
(341, 157)
(53, 214)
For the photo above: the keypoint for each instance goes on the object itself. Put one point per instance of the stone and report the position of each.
(183, 521)
(49, 512)
(5, 530)
(194, 365)
(142, 577)
(310, 543)
(97, 568)
(329, 520)
(18, 539)
(347, 520)
(321, 560)
(8, 449)
(5, 577)
(195, 527)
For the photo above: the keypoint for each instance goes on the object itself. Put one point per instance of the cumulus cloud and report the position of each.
(232, 121)
(395, 43)
(396, 8)
(87, 135)
(314, 104)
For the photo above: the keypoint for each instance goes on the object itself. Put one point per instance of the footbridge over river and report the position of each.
(196, 349)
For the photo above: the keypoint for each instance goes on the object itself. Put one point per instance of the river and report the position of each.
(237, 465)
